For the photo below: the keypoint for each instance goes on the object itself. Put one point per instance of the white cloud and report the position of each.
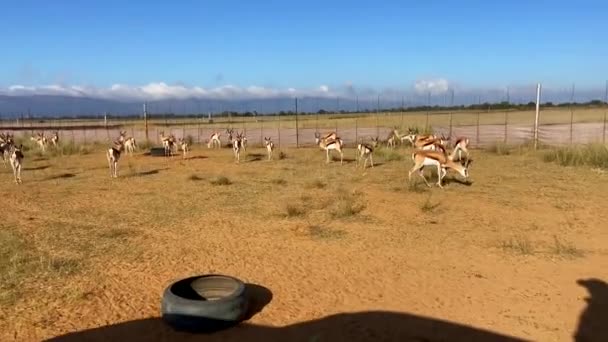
(435, 86)
(162, 91)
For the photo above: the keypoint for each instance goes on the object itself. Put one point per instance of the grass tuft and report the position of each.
(499, 148)
(325, 233)
(428, 206)
(282, 155)
(194, 177)
(388, 154)
(220, 180)
(294, 210)
(346, 205)
(595, 155)
(566, 250)
(519, 245)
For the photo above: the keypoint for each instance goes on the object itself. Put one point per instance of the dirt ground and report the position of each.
(347, 254)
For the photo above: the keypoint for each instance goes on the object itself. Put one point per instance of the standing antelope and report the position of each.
(183, 144)
(16, 162)
(365, 151)
(269, 147)
(236, 147)
(129, 142)
(55, 139)
(113, 155)
(244, 141)
(168, 142)
(423, 158)
(6, 143)
(331, 145)
(327, 137)
(214, 140)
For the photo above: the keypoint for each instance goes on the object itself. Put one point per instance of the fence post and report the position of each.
(538, 88)
(477, 133)
(279, 129)
(146, 120)
(356, 130)
(571, 113)
(506, 125)
(297, 127)
(604, 132)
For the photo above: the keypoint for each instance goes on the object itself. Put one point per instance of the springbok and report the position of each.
(269, 147)
(55, 139)
(332, 145)
(183, 144)
(244, 141)
(113, 155)
(327, 137)
(168, 142)
(6, 143)
(365, 151)
(460, 145)
(129, 142)
(214, 140)
(236, 147)
(16, 162)
(423, 158)
(40, 139)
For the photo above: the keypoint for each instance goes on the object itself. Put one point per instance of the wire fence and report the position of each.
(484, 126)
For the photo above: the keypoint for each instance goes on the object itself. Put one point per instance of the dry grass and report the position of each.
(594, 155)
(84, 244)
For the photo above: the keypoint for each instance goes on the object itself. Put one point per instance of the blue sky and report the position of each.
(304, 45)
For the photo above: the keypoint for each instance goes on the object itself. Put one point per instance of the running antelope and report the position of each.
(113, 155)
(214, 140)
(16, 162)
(40, 139)
(269, 147)
(332, 145)
(461, 145)
(183, 144)
(441, 161)
(236, 147)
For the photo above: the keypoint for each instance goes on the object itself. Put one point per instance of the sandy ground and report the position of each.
(502, 255)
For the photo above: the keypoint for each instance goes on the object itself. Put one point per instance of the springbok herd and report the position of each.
(429, 150)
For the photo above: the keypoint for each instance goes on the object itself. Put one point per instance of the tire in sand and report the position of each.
(204, 303)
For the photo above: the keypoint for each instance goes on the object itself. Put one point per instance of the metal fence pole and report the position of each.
(477, 133)
(297, 127)
(571, 113)
(538, 89)
(506, 125)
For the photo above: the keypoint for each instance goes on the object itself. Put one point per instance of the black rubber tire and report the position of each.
(204, 303)
(157, 151)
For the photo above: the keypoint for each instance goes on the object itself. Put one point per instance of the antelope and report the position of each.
(183, 144)
(168, 142)
(113, 155)
(244, 141)
(16, 162)
(237, 146)
(332, 145)
(6, 143)
(269, 147)
(129, 142)
(423, 158)
(365, 151)
(214, 139)
(40, 139)
(461, 145)
(391, 141)
(327, 137)
(55, 139)
(230, 131)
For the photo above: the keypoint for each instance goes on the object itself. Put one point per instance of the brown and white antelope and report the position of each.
(327, 137)
(168, 143)
(328, 145)
(460, 145)
(55, 139)
(269, 147)
(366, 151)
(438, 159)
(6, 143)
(40, 139)
(184, 146)
(244, 141)
(113, 155)
(129, 142)
(17, 162)
(237, 146)
(214, 140)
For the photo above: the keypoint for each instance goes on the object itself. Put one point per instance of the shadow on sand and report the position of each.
(36, 168)
(351, 327)
(144, 173)
(60, 176)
